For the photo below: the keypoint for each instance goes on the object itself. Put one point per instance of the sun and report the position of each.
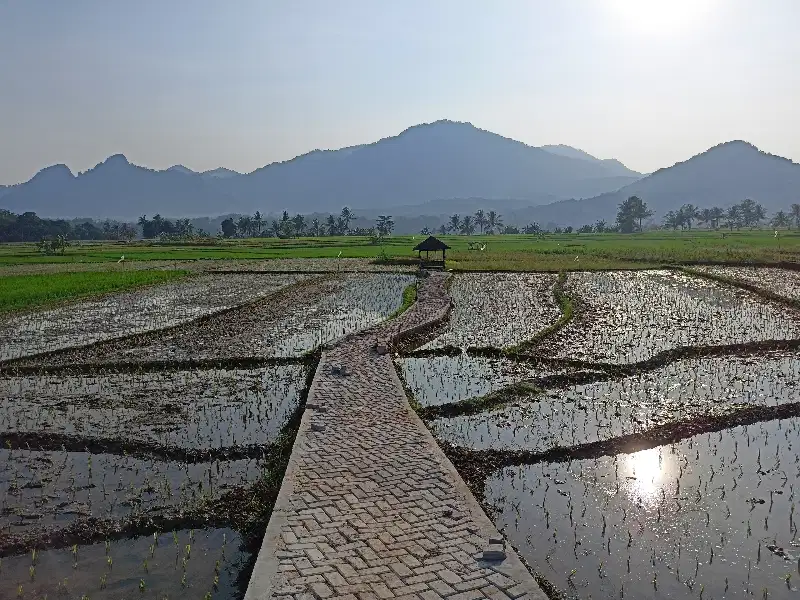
(660, 17)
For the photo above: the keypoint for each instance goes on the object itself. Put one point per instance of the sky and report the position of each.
(242, 83)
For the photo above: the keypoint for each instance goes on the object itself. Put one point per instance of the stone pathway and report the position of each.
(370, 507)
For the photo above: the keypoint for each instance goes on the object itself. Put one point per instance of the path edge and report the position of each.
(265, 568)
(512, 566)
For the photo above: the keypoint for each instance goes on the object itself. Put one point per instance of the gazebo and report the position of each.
(431, 244)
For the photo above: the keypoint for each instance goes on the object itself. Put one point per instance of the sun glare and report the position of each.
(664, 17)
(646, 470)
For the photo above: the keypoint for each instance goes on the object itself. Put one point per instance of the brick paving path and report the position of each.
(370, 507)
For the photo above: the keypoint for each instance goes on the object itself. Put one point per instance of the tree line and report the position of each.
(747, 213)
(29, 227)
(486, 222)
(247, 226)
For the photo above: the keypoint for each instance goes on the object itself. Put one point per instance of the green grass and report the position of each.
(409, 297)
(503, 252)
(19, 292)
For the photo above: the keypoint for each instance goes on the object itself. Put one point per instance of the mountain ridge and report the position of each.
(423, 163)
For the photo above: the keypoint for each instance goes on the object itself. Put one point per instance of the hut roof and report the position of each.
(431, 244)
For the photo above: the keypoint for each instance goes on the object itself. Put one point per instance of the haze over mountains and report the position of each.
(431, 169)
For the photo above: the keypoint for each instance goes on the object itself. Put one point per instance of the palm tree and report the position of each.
(781, 219)
(493, 221)
(672, 219)
(480, 219)
(258, 223)
(330, 225)
(688, 213)
(467, 225)
(600, 226)
(244, 225)
(299, 225)
(345, 217)
(385, 225)
(794, 212)
(455, 223)
(275, 228)
(733, 217)
(316, 228)
(442, 229)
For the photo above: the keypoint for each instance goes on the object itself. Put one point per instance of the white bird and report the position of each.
(121, 259)
(483, 247)
(339, 255)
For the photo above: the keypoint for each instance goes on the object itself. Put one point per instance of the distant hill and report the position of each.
(723, 175)
(182, 169)
(612, 164)
(220, 173)
(115, 189)
(424, 163)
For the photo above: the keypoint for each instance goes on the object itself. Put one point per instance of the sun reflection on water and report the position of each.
(646, 473)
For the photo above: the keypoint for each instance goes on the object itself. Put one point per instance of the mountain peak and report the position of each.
(116, 159)
(55, 171)
(181, 169)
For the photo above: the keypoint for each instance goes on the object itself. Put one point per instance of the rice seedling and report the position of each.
(133, 312)
(626, 317)
(498, 309)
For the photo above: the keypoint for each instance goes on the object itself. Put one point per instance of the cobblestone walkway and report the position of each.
(370, 507)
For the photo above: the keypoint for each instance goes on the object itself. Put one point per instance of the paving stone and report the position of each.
(374, 512)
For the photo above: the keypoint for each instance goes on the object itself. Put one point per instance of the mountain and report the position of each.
(721, 176)
(424, 163)
(220, 173)
(114, 188)
(182, 169)
(612, 164)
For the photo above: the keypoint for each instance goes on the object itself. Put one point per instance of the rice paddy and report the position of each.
(632, 433)
(643, 446)
(143, 435)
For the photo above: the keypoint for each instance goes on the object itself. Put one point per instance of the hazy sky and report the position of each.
(241, 83)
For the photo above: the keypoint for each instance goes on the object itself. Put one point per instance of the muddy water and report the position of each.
(188, 409)
(290, 325)
(608, 409)
(498, 309)
(186, 564)
(440, 380)
(630, 316)
(132, 312)
(44, 488)
(363, 300)
(713, 513)
(784, 282)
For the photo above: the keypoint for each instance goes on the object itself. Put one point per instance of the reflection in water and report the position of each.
(599, 411)
(646, 471)
(714, 512)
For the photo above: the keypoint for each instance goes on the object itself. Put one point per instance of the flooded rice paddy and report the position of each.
(581, 414)
(196, 409)
(127, 313)
(631, 316)
(438, 380)
(783, 282)
(135, 476)
(498, 309)
(294, 320)
(130, 469)
(653, 474)
(713, 514)
(193, 563)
